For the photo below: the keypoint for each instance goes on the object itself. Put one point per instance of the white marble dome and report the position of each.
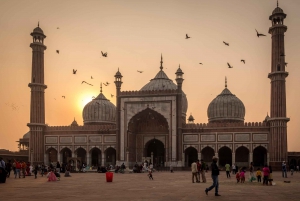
(99, 111)
(226, 107)
(162, 82)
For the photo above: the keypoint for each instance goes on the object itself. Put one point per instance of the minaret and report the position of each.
(118, 83)
(37, 99)
(278, 120)
(179, 80)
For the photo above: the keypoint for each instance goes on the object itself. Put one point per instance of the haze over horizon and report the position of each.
(135, 34)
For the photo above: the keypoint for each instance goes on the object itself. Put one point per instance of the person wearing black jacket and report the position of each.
(214, 175)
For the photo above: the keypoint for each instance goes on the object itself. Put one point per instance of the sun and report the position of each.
(84, 100)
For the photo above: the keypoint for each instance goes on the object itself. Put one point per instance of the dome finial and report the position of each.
(277, 3)
(38, 23)
(161, 62)
(100, 87)
(225, 82)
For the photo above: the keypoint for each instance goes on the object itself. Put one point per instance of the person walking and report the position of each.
(266, 172)
(214, 175)
(202, 171)
(18, 169)
(198, 170)
(227, 168)
(8, 168)
(284, 169)
(194, 171)
(251, 175)
(233, 168)
(3, 173)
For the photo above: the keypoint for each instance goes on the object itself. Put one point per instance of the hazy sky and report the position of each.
(135, 33)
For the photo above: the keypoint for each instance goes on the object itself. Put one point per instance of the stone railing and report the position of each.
(224, 124)
(154, 92)
(80, 128)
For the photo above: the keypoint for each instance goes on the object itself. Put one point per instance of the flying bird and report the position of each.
(226, 43)
(57, 27)
(111, 95)
(186, 36)
(63, 97)
(201, 63)
(259, 34)
(57, 51)
(105, 84)
(86, 83)
(140, 71)
(229, 66)
(243, 61)
(74, 71)
(104, 54)
(92, 77)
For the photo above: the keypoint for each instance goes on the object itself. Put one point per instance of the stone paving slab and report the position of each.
(165, 186)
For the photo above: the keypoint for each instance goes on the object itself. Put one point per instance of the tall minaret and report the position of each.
(278, 120)
(37, 99)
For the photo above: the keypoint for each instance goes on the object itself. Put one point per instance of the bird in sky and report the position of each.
(111, 95)
(229, 66)
(74, 71)
(107, 83)
(186, 36)
(63, 97)
(285, 64)
(243, 61)
(86, 83)
(226, 43)
(259, 34)
(92, 77)
(54, 98)
(57, 51)
(104, 54)
(57, 27)
(140, 71)
(201, 63)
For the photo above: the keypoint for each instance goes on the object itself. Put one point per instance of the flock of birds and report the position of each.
(104, 54)
(227, 44)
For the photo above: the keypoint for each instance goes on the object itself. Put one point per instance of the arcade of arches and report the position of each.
(241, 157)
(95, 156)
(144, 125)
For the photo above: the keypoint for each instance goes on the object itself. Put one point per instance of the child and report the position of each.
(266, 172)
(258, 175)
(242, 175)
(150, 174)
(238, 177)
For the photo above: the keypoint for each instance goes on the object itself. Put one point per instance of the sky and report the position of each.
(135, 33)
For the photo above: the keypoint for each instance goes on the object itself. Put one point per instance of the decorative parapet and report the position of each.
(81, 128)
(225, 124)
(151, 92)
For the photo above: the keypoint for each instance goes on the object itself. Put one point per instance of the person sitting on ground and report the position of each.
(51, 176)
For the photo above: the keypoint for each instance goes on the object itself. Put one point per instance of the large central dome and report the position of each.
(99, 111)
(226, 107)
(162, 82)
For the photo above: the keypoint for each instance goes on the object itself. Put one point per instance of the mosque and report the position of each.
(151, 123)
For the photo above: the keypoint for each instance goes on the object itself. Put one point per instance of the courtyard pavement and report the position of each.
(136, 186)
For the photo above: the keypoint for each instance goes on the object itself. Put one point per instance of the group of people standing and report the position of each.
(198, 169)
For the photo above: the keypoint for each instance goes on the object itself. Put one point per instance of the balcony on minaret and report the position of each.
(38, 35)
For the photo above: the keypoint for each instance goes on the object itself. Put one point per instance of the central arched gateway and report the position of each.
(155, 149)
(148, 132)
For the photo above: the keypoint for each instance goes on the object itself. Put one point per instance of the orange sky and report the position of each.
(135, 33)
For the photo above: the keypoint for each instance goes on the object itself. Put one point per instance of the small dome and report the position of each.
(99, 111)
(191, 119)
(26, 135)
(38, 30)
(277, 10)
(118, 74)
(226, 107)
(162, 82)
(267, 118)
(74, 123)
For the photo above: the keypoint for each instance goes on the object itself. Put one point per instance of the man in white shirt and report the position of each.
(194, 171)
